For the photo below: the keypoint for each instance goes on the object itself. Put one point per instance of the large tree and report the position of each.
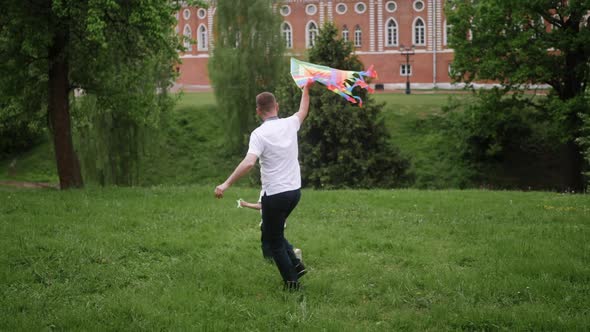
(524, 43)
(50, 48)
(246, 60)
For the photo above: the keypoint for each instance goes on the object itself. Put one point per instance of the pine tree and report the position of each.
(341, 144)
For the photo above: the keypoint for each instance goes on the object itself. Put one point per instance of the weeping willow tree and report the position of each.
(246, 60)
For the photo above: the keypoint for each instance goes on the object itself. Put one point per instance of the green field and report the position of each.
(174, 258)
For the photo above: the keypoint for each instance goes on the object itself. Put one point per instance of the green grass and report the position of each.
(174, 258)
(37, 165)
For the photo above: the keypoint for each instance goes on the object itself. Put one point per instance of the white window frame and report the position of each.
(446, 29)
(403, 70)
(186, 14)
(423, 34)
(416, 2)
(358, 36)
(345, 8)
(288, 10)
(289, 32)
(309, 11)
(345, 33)
(387, 6)
(202, 38)
(309, 39)
(356, 9)
(395, 35)
(187, 32)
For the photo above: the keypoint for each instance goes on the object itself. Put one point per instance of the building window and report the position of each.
(311, 9)
(345, 33)
(202, 43)
(447, 33)
(405, 70)
(391, 6)
(186, 14)
(341, 8)
(202, 13)
(360, 8)
(419, 32)
(391, 33)
(418, 6)
(288, 35)
(177, 16)
(285, 10)
(358, 36)
(312, 33)
(188, 45)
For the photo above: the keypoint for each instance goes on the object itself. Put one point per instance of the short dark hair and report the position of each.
(265, 102)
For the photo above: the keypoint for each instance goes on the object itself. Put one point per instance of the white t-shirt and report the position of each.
(275, 144)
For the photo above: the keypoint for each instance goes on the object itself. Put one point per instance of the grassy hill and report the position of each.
(192, 138)
(174, 258)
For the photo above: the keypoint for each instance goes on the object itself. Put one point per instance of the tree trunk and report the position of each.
(68, 166)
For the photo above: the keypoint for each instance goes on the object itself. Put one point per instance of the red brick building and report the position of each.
(379, 30)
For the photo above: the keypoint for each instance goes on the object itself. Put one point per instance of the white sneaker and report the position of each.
(298, 253)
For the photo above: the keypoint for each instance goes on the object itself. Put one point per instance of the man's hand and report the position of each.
(220, 189)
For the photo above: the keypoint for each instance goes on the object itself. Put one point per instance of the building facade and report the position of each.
(382, 31)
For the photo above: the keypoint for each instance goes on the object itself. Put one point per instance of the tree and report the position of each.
(528, 43)
(50, 48)
(246, 61)
(341, 144)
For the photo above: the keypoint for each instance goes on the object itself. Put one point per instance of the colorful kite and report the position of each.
(338, 81)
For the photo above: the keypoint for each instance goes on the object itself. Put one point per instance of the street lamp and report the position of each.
(407, 51)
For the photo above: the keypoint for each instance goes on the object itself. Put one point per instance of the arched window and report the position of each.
(358, 36)
(391, 33)
(345, 33)
(202, 38)
(312, 33)
(419, 32)
(187, 38)
(288, 35)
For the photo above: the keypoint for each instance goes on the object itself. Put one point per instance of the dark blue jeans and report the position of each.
(275, 210)
(266, 252)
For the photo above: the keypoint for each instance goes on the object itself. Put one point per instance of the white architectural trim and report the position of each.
(372, 25)
(414, 32)
(288, 45)
(386, 26)
(307, 41)
(380, 25)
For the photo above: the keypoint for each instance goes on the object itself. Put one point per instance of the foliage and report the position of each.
(173, 258)
(341, 144)
(103, 47)
(19, 130)
(517, 36)
(584, 141)
(527, 43)
(245, 61)
(497, 135)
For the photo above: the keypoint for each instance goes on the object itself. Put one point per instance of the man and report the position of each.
(274, 142)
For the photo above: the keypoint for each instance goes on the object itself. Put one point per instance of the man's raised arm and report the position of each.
(304, 104)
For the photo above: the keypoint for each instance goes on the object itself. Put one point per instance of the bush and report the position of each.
(20, 130)
(510, 141)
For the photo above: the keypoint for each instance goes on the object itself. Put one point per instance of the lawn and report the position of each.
(174, 258)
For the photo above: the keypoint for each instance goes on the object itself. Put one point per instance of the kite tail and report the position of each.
(370, 72)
